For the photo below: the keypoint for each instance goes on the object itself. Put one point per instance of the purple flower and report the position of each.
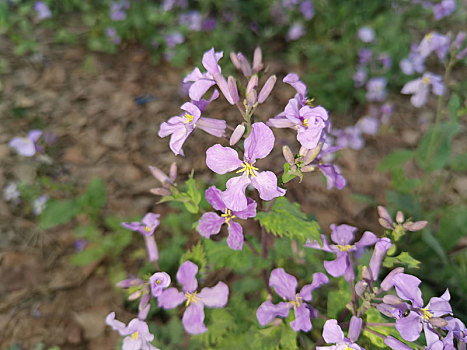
(210, 223)
(221, 160)
(385, 60)
(111, 33)
(381, 248)
(39, 204)
(457, 327)
(158, 282)
(42, 10)
(117, 10)
(285, 286)
(434, 42)
(420, 88)
(26, 146)
(146, 227)
(193, 317)
(307, 9)
(332, 334)
(350, 137)
(364, 56)
(368, 125)
(209, 24)
(181, 127)
(296, 31)
(387, 110)
(343, 236)
(192, 19)
(80, 244)
(376, 89)
(174, 39)
(414, 63)
(137, 336)
(359, 77)
(366, 34)
(395, 344)
(444, 8)
(11, 193)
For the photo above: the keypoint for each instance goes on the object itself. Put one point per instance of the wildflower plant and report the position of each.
(237, 293)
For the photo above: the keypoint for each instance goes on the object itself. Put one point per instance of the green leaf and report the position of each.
(90, 233)
(290, 174)
(434, 244)
(403, 258)
(452, 226)
(222, 322)
(58, 213)
(459, 162)
(394, 160)
(338, 299)
(286, 219)
(196, 255)
(193, 192)
(88, 255)
(454, 105)
(95, 195)
(435, 147)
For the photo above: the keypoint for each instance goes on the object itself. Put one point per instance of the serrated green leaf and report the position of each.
(394, 160)
(222, 322)
(196, 255)
(286, 219)
(58, 213)
(403, 258)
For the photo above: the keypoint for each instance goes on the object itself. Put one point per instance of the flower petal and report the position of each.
(177, 140)
(332, 332)
(235, 239)
(34, 135)
(339, 266)
(280, 121)
(266, 184)
(216, 296)
(316, 245)
(355, 328)
(115, 324)
(23, 146)
(222, 159)
(343, 234)
(234, 196)
(170, 298)
(199, 88)
(310, 137)
(159, 281)
(407, 288)
(284, 284)
(215, 127)
(259, 143)
(267, 311)
(409, 327)
(368, 238)
(249, 212)
(319, 279)
(186, 276)
(302, 319)
(210, 224)
(213, 196)
(193, 319)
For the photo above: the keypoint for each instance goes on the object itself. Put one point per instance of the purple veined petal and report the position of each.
(234, 196)
(210, 61)
(343, 234)
(338, 266)
(368, 238)
(316, 245)
(170, 298)
(133, 226)
(259, 143)
(199, 88)
(159, 281)
(170, 126)
(332, 332)
(333, 175)
(407, 288)
(177, 140)
(224, 87)
(292, 112)
(355, 328)
(266, 184)
(222, 159)
(388, 282)
(210, 224)
(151, 247)
(302, 320)
(213, 196)
(203, 104)
(420, 97)
(34, 135)
(193, 319)
(115, 324)
(280, 121)
(215, 127)
(151, 221)
(349, 273)
(191, 109)
(396, 344)
(186, 276)
(319, 279)
(267, 311)
(314, 112)
(409, 327)
(143, 311)
(235, 239)
(381, 248)
(294, 80)
(23, 146)
(249, 212)
(216, 296)
(440, 306)
(430, 335)
(310, 137)
(283, 283)
(411, 87)
(193, 76)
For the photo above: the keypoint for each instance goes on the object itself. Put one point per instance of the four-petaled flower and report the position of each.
(332, 333)
(26, 146)
(286, 286)
(193, 317)
(158, 282)
(137, 336)
(420, 88)
(224, 159)
(146, 227)
(210, 223)
(342, 236)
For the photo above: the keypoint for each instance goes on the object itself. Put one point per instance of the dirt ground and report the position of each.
(88, 100)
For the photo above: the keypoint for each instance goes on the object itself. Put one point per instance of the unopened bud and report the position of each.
(312, 154)
(381, 248)
(399, 217)
(366, 275)
(360, 287)
(129, 282)
(135, 295)
(288, 155)
(160, 191)
(251, 98)
(257, 60)
(142, 314)
(392, 299)
(388, 282)
(252, 84)
(438, 322)
(385, 217)
(308, 169)
(244, 65)
(234, 59)
(159, 175)
(267, 88)
(173, 172)
(459, 40)
(233, 89)
(237, 134)
(144, 301)
(355, 327)
(415, 226)
(461, 55)
(384, 223)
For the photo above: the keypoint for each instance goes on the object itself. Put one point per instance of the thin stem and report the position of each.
(375, 333)
(354, 298)
(380, 324)
(252, 247)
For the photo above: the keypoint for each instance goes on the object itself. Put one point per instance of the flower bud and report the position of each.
(252, 84)
(360, 287)
(257, 60)
(381, 248)
(459, 40)
(129, 282)
(135, 295)
(267, 88)
(390, 311)
(244, 65)
(355, 328)
(234, 59)
(159, 175)
(385, 219)
(399, 217)
(143, 313)
(366, 275)
(160, 191)
(461, 55)
(312, 154)
(392, 299)
(173, 172)
(438, 322)
(415, 226)
(158, 282)
(388, 283)
(237, 134)
(308, 169)
(233, 88)
(288, 155)
(251, 98)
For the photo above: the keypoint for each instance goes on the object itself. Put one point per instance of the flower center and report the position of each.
(310, 102)
(426, 80)
(305, 122)
(188, 118)
(297, 302)
(228, 216)
(429, 36)
(191, 297)
(134, 336)
(344, 248)
(347, 348)
(147, 228)
(249, 168)
(158, 281)
(426, 314)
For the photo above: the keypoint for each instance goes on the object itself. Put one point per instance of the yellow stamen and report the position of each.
(310, 102)
(134, 336)
(297, 302)
(426, 80)
(347, 348)
(344, 248)
(305, 122)
(191, 297)
(228, 216)
(248, 167)
(188, 118)
(429, 36)
(426, 314)
(147, 229)
(158, 282)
